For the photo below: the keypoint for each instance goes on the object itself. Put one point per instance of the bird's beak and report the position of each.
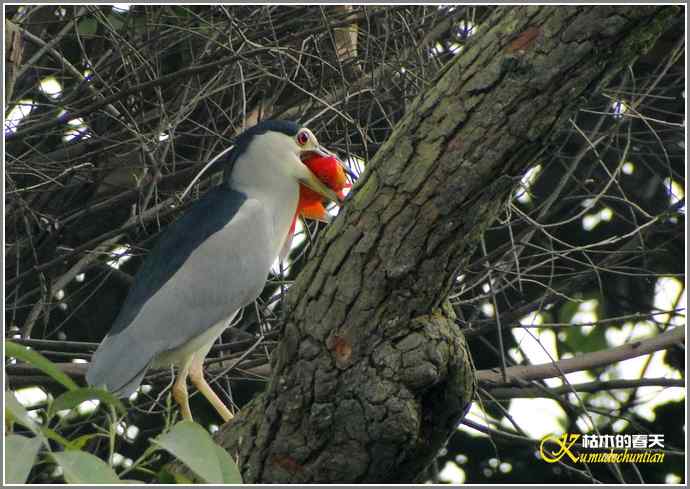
(321, 151)
(314, 183)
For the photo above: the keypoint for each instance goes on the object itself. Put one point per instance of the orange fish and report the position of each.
(310, 206)
(330, 171)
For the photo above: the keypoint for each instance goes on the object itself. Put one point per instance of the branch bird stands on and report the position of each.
(215, 259)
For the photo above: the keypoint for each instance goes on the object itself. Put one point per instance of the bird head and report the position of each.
(274, 150)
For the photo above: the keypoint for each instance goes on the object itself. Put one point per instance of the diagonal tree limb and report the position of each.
(369, 379)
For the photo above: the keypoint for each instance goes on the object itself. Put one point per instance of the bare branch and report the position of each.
(604, 385)
(585, 361)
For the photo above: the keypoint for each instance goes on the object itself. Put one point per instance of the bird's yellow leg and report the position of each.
(196, 373)
(179, 392)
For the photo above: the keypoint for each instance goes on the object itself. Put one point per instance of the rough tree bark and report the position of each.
(372, 376)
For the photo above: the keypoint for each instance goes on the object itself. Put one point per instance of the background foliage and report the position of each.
(111, 112)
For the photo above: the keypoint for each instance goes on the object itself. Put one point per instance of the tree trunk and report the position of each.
(372, 375)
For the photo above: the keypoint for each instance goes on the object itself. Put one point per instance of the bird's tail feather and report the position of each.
(118, 365)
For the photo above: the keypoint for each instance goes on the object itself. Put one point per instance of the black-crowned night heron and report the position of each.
(210, 263)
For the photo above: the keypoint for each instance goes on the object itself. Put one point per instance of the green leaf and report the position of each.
(79, 442)
(579, 342)
(166, 477)
(39, 361)
(231, 472)
(21, 453)
(83, 468)
(567, 311)
(14, 411)
(18, 413)
(193, 446)
(57, 437)
(71, 399)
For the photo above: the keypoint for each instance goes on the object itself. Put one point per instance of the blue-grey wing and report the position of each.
(207, 265)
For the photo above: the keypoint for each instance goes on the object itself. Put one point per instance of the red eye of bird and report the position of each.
(302, 138)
